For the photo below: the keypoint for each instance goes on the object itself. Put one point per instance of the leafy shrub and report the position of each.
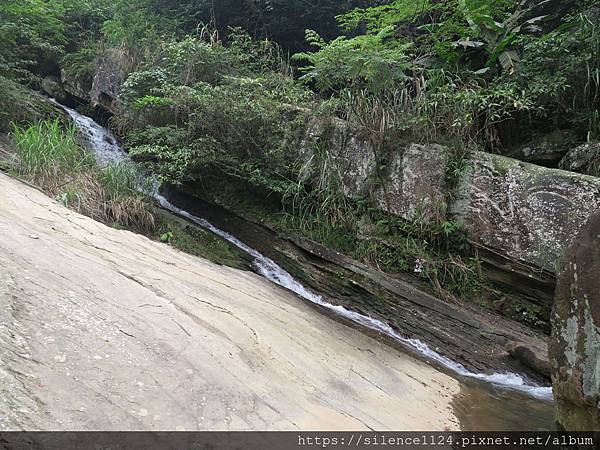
(374, 62)
(202, 105)
(31, 32)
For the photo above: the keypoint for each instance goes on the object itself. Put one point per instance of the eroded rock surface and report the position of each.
(54, 88)
(415, 186)
(339, 152)
(546, 150)
(584, 159)
(112, 69)
(527, 212)
(105, 329)
(575, 343)
(77, 87)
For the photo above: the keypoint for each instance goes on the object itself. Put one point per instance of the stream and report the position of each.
(499, 401)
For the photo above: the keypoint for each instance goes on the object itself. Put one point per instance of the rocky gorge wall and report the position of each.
(520, 216)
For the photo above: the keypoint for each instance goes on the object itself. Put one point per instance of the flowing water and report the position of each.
(509, 401)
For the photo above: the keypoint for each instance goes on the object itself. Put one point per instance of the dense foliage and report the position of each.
(468, 68)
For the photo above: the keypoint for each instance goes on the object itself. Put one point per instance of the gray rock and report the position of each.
(575, 342)
(533, 357)
(109, 330)
(337, 153)
(112, 69)
(54, 88)
(415, 187)
(584, 159)
(77, 87)
(524, 211)
(545, 150)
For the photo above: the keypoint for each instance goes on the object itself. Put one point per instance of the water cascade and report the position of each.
(108, 151)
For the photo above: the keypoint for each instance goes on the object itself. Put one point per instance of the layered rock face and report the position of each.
(575, 343)
(521, 216)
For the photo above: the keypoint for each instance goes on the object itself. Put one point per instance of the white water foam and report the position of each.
(107, 151)
(103, 143)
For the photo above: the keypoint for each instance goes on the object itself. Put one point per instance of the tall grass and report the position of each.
(51, 157)
(46, 150)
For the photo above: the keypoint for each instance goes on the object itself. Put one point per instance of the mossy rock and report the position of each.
(20, 105)
(197, 241)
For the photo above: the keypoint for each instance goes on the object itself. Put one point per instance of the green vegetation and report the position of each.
(218, 94)
(19, 105)
(436, 252)
(52, 158)
(487, 73)
(198, 242)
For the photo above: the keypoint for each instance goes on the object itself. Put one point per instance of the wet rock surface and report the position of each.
(54, 88)
(575, 342)
(77, 87)
(534, 357)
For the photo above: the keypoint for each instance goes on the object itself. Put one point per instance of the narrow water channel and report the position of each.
(486, 402)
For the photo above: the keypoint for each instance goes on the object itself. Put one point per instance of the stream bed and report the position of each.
(499, 401)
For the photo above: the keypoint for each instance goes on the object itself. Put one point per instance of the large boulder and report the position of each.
(526, 212)
(54, 88)
(79, 87)
(112, 69)
(583, 159)
(575, 343)
(532, 356)
(547, 149)
(414, 187)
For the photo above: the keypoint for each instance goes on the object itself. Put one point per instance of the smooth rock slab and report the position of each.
(103, 329)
